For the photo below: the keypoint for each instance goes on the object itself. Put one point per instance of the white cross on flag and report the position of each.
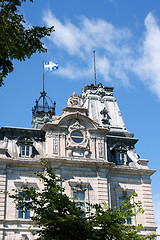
(50, 66)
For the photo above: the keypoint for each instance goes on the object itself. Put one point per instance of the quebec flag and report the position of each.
(50, 66)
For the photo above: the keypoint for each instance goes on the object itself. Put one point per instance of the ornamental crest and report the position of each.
(74, 100)
(77, 136)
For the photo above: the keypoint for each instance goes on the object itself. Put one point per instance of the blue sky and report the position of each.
(126, 37)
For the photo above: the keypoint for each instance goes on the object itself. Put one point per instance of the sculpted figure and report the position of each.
(74, 100)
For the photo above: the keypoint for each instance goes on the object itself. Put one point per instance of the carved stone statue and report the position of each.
(74, 100)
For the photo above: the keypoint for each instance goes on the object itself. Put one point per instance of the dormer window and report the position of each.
(26, 151)
(120, 154)
(25, 147)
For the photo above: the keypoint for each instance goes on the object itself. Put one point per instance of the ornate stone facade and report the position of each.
(89, 146)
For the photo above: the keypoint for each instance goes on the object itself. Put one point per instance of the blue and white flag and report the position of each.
(50, 66)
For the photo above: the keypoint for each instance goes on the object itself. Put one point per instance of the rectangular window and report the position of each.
(23, 212)
(129, 220)
(25, 151)
(79, 199)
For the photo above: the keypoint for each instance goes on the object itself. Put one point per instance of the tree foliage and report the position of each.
(17, 41)
(58, 217)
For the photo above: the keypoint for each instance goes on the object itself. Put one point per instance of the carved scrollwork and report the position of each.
(75, 100)
(77, 136)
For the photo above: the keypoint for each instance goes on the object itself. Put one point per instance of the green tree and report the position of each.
(16, 40)
(58, 217)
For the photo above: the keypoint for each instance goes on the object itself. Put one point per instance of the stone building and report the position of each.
(88, 145)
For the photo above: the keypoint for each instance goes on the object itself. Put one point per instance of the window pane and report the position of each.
(119, 157)
(20, 213)
(80, 195)
(75, 195)
(27, 151)
(23, 151)
(20, 208)
(129, 220)
(23, 148)
(27, 148)
(23, 212)
(20, 195)
(122, 200)
(77, 136)
(76, 204)
(27, 213)
(122, 157)
(82, 206)
(27, 199)
(77, 140)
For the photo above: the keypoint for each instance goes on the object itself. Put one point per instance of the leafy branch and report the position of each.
(16, 40)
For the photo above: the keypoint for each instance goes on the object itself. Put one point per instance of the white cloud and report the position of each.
(74, 72)
(103, 65)
(116, 57)
(78, 41)
(148, 65)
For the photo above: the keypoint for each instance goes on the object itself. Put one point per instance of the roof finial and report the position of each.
(94, 67)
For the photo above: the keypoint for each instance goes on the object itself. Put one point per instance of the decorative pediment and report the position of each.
(25, 182)
(124, 190)
(56, 119)
(24, 140)
(77, 126)
(98, 90)
(67, 117)
(79, 185)
(119, 148)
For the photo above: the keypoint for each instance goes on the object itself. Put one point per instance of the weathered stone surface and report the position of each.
(89, 146)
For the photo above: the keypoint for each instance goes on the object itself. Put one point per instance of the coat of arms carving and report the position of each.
(74, 100)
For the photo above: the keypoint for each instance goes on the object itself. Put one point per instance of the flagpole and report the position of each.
(43, 85)
(94, 68)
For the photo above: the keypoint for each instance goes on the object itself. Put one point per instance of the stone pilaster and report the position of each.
(147, 202)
